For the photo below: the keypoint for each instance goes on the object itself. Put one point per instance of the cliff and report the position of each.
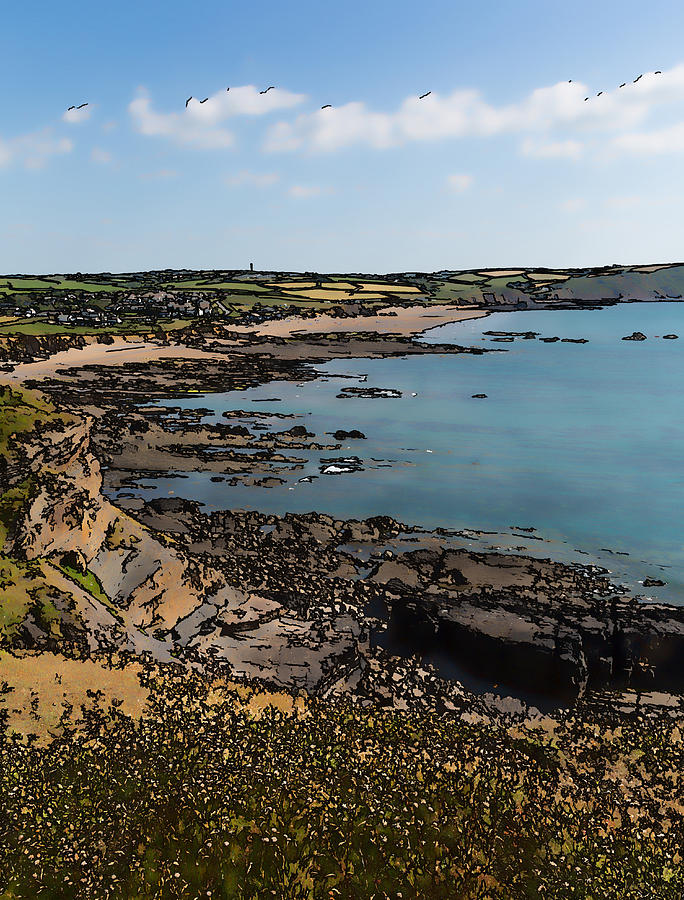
(286, 601)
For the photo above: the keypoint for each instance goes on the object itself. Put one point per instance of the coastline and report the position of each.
(110, 382)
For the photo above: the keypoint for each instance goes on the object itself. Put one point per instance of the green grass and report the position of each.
(341, 801)
(21, 411)
(22, 285)
(88, 581)
(39, 328)
(250, 287)
(24, 591)
(12, 502)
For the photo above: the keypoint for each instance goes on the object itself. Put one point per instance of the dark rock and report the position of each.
(341, 435)
(299, 431)
(479, 396)
(670, 337)
(635, 336)
(74, 559)
(653, 582)
(371, 393)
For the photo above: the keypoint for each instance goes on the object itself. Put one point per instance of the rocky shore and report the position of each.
(375, 610)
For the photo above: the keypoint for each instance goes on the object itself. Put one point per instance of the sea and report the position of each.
(575, 453)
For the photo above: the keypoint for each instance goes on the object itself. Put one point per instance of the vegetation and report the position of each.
(88, 581)
(213, 795)
(21, 412)
(97, 303)
(26, 591)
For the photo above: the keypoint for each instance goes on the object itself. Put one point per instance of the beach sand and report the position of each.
(401, 320)
(391, 320)
(102, 355)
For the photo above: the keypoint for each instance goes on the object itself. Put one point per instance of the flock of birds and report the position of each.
(271, 87)
(624, 83)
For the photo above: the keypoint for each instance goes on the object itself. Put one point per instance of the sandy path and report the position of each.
(102, 355)
(407, 321)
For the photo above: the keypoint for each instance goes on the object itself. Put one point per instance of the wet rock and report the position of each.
(550, 340)
(670, 337)
(240, 430)
(479, 396)
(653, 582)
(574, 341)
(635, 336)
(269, 481)
(340, 465)
(299, 431)
(341, 435)
(369, 393)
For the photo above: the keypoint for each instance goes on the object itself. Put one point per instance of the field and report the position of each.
(211, 794)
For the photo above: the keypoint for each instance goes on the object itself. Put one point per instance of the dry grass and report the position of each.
(37, 687)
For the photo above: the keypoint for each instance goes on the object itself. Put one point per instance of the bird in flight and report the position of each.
(599, 93)
(623, 84)
(327, 106)
(637, 78)
(77, 107)
(423, 96)
(585, 99)
(205, 100)
(657, 72)
(188, 101)
(271, 88)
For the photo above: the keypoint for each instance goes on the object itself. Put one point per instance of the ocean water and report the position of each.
(582, 442)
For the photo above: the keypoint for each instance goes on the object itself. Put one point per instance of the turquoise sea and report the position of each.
(582, 442)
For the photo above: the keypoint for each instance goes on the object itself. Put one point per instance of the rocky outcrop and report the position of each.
(532, 623)
(311, 602)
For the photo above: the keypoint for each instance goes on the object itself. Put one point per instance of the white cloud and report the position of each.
(32, 150)
(257, 179)
(75, 116)
(556, 119)
(304, 190)
(652, 143)
(459, 183)
(572, 204)
(101, 156)
(199, 124)
(552, 149)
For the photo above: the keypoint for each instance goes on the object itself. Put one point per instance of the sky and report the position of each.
(503, 163)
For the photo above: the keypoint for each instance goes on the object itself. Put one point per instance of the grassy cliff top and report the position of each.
(214, 794)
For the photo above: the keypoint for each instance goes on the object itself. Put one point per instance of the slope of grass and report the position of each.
(25, 591)
(202, 799)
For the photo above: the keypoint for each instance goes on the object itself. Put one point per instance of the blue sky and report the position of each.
(504, 163)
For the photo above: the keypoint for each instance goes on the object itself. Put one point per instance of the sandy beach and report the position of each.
(401, 320)
(102, 355)
(392, 320)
